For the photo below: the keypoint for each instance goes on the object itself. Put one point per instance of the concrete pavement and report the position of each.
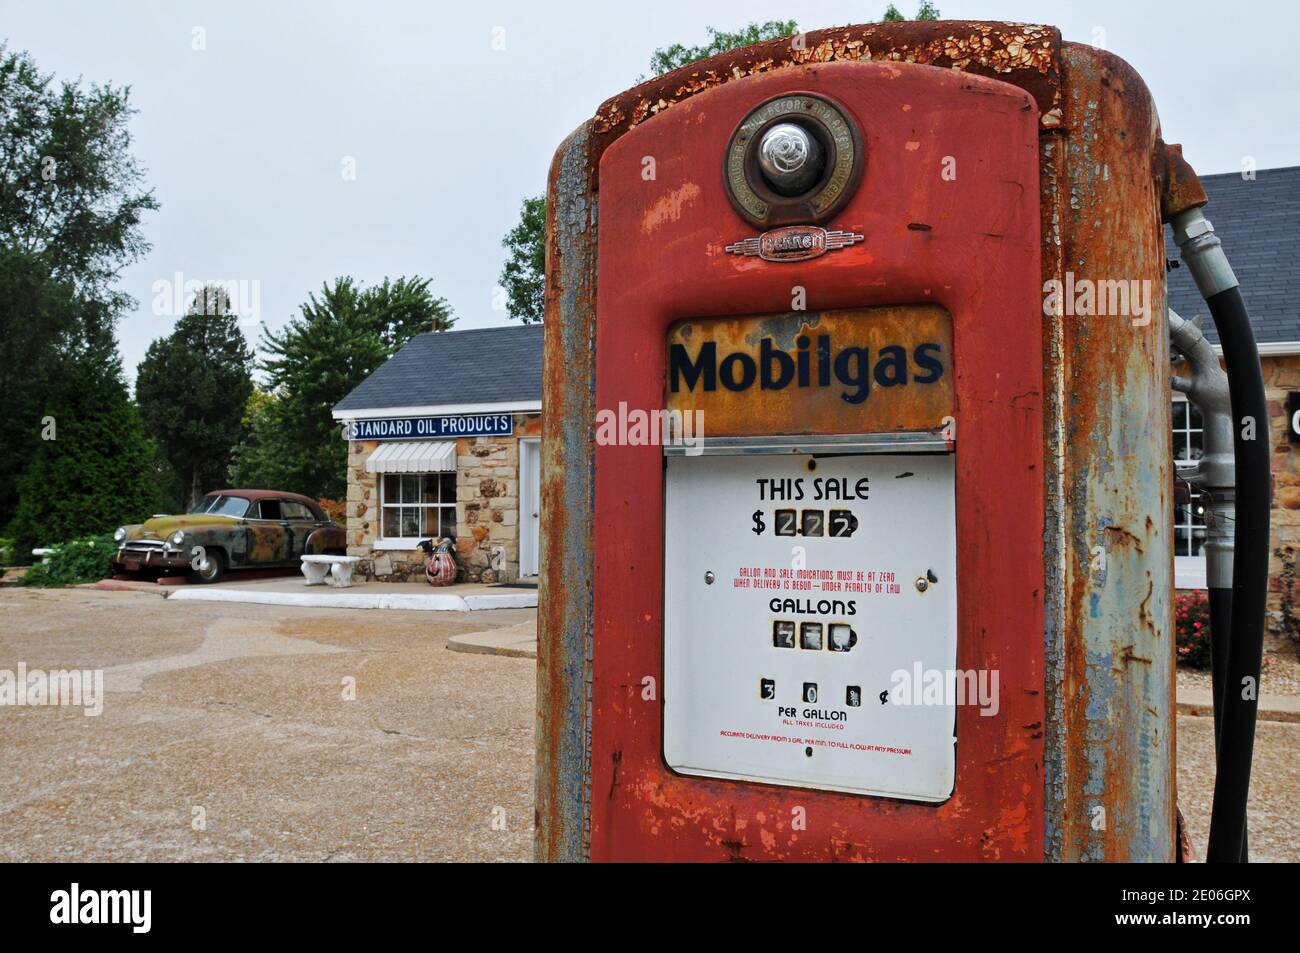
(246, 732)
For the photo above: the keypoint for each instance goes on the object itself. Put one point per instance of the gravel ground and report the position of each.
(1275, 778)
(1273, 822)
(235, 716)
(1281, 674)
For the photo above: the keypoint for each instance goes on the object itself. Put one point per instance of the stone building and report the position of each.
(1258, 220)
(444, 442)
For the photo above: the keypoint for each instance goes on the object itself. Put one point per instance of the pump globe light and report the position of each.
(790, 158)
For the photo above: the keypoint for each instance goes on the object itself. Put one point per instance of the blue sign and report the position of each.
(432, 428)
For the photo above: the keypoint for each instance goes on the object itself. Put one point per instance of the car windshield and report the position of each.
(235, 506)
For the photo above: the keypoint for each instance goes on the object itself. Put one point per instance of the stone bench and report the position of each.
(334, 570)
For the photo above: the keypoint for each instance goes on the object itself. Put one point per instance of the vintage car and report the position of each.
(230, 529)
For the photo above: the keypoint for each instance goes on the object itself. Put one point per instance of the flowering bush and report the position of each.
(89, 559)
(337, 510)
(1192, 625)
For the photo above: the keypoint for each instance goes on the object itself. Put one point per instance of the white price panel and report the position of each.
(803, 596)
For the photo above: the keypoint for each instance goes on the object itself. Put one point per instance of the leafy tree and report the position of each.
(524, 273)
(192, 386)
(338, 341)
(71, 202)
(676, 56)
(257, 461)
(92, 468)
(927, 11)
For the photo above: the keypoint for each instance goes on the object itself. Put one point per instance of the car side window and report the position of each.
(269, 510)
(293, 510)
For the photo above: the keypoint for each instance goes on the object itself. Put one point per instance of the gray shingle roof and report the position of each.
(1259, 224)
(485, 365)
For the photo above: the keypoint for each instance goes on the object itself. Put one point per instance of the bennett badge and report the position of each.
(794, 243)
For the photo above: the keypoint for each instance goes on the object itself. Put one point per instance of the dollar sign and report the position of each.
(759, 525)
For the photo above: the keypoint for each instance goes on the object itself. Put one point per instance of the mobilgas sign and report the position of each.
(859, 370)
(432, 428)
(851, 367)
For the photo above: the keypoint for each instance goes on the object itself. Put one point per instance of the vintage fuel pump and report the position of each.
(894, 580)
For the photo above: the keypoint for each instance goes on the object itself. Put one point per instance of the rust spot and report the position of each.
(1121, 536)
(1180, 187)
(617, 759)
(669, 207)
(734, 848)
(1023, 54)
(1129, 657)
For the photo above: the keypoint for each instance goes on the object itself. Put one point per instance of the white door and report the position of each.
(530, 485)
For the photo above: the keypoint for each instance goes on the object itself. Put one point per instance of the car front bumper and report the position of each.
(133, 560)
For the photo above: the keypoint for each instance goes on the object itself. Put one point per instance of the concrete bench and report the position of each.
(44, 553)
(334, 570)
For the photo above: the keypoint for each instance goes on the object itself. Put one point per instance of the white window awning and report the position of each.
(422, 456)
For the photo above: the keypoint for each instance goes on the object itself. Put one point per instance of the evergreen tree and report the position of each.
(92, 469)
(192, 387)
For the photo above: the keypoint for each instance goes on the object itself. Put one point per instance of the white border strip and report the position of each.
(431, 602)
(442, 410)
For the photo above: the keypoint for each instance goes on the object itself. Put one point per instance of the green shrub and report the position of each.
(1192, 626)
(6, 551)
(88, 559)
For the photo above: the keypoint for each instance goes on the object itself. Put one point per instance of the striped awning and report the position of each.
(423, 456)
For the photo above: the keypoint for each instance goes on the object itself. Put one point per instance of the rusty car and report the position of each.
(230, 529)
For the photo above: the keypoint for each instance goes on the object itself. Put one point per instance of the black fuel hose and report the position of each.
(1238, 695)
(1220, 631)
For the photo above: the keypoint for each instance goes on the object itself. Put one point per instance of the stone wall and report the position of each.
(487, 511)
(1282, 374)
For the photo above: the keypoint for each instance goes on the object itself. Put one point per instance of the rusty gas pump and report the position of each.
(892, 581)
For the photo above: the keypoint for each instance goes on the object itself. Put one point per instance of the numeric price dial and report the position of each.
(841, 524)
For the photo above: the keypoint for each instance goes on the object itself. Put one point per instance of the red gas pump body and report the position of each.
(662, 260)
(631, 258)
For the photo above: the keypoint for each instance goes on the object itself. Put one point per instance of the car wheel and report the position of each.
(211, 568)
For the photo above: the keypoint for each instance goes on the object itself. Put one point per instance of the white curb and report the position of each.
(432, 602)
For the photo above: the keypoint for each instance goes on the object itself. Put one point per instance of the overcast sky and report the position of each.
(246, 141)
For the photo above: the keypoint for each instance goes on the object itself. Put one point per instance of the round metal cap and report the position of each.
(791, 158)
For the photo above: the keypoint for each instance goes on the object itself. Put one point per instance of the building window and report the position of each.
(1189, 517)
(418, 505)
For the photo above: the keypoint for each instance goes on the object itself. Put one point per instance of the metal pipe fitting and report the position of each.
(1202, 253)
